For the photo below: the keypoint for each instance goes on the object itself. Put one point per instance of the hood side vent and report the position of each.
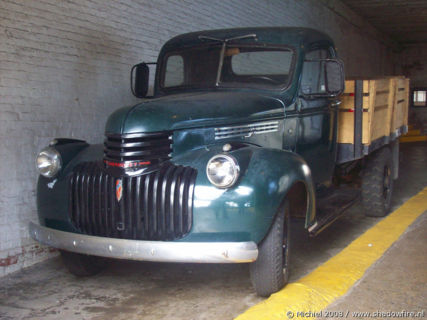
(246, 130)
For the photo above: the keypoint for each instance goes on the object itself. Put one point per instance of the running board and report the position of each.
(332, 206)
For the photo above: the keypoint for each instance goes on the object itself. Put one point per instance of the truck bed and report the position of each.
(373, 112)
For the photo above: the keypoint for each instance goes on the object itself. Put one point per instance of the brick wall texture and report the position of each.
(413, 64)
(64, 66)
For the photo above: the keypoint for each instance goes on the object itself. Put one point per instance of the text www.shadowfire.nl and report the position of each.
(356, 314)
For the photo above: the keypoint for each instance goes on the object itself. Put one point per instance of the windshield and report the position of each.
(242, 66)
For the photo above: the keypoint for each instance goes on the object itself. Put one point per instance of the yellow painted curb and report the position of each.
(413, 132)
(412, 138)
(335, 277)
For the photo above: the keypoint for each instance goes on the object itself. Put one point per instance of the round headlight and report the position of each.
(222, 171)
(48, 162)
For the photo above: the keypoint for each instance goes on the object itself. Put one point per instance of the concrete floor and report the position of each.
(136, 290)
(395, 283)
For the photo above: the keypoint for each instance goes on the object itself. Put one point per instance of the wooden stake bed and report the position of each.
(373, 112)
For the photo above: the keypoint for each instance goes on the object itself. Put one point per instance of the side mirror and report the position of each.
(139, 76)
(334, 77)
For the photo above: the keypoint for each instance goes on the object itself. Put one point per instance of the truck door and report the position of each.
(316, 138)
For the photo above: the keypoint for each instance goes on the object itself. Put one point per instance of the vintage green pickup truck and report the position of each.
(239, 136)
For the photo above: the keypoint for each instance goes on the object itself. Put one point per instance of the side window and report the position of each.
(174, 74)
(313, 77)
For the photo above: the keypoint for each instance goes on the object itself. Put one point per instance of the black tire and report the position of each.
(83, 265)
(377, 184)
(270, 272)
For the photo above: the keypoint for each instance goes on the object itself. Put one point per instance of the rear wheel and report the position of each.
(270, 272)
(83, 265)
(377, 184)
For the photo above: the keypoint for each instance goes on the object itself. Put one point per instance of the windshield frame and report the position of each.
(232, 85)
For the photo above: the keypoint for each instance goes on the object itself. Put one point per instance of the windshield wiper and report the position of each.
(222, 53)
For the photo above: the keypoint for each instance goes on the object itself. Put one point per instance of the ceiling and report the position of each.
(404, 21)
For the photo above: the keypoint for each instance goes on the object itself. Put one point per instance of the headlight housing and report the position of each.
(48, 162)
(222, 170)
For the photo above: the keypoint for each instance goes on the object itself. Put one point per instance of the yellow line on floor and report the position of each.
(335, 277)
(412, 138)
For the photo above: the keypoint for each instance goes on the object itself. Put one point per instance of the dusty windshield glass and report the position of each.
(242, 66)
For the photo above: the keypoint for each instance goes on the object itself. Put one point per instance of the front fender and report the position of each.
(245, 211)
(52, 193)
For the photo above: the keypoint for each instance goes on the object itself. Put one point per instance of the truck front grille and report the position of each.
(153, 206)
(137, 148)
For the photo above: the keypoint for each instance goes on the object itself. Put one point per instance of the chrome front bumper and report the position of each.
(161, 251)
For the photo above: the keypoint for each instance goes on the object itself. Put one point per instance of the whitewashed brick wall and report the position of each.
(64, 66)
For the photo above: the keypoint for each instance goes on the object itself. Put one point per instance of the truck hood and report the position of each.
(194, 110)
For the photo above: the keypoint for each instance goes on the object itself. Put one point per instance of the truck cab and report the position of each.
(239, 135)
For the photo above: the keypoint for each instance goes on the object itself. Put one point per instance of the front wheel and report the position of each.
(82, 265)
(270, 272)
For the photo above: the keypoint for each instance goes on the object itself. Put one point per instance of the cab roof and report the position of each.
(295, 37)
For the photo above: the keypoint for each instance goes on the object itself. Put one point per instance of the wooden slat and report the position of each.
(345, 127)
(385, 108)
(345, 118)
(349, 86)
(400, 103)
(406, 112)
(367, 130)
(379, 124)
